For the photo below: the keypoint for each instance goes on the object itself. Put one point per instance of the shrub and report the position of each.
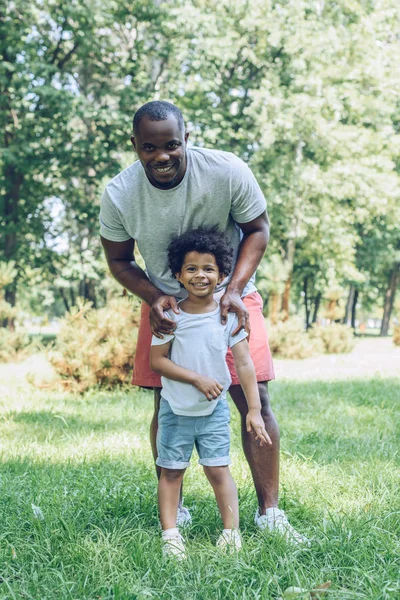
(396, 335)
(288, 339)
(96, 347)
(336, 338)
(14, 345)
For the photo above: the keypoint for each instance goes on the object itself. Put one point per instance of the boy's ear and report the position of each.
(178, 277)
(221, 277)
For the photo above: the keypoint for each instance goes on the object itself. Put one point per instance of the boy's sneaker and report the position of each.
(275, 520)
(173, 544)
(230, 540)
(183, 517)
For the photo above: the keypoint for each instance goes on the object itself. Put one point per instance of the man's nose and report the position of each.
(162, 156)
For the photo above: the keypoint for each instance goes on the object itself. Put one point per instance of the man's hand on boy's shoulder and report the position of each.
(159, 322)
(232, 302)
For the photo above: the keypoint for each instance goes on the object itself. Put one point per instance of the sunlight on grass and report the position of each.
(86, 462)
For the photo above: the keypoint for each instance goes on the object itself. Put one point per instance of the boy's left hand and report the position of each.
(254, 421)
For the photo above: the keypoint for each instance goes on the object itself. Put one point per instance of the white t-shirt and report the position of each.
(200, 343)
(218, 189)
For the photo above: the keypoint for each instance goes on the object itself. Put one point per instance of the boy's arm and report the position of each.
(161, 363)
(247, 377)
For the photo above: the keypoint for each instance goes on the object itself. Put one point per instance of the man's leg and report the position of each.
(263, 460)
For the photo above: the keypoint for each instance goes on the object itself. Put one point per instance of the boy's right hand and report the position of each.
(208, 386)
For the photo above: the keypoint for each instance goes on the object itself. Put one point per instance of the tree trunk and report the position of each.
(273, 301)
(306, 302)
(316, 307)
(353, 309)
(290, 261)
(348, 305)
(286, 298)
(394, 280)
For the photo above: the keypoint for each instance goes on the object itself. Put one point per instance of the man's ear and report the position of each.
(133, 141)
(186, 136)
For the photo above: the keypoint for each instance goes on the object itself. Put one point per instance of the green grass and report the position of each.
(85, 461)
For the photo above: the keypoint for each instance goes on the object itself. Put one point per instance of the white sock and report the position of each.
(169, 533)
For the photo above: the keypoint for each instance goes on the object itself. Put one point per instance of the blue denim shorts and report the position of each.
(178, 434)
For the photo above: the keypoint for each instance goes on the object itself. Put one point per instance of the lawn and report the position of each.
(85, 462)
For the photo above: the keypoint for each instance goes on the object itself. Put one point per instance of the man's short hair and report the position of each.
(158, 110)
(205, 240)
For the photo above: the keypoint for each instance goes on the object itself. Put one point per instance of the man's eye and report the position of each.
(148, 148)
(173, 146)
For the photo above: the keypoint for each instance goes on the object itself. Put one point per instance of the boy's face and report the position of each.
(200, 274)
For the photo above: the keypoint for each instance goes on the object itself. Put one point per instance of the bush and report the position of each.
(336, 338)
(14, 345)
(396, 335)
(288, 339)
(96, 347)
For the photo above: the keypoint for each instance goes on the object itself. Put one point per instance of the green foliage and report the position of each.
(336, 338)
(288, 339)
(396, 335)
(96, 347)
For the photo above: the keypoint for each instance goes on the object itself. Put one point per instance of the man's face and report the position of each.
(161, 148)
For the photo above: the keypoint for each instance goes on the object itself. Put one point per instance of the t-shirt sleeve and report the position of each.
(248, 201)
(232, 324)
(111, 223)
(155, 341)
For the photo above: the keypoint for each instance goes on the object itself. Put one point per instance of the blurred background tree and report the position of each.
(305, 92)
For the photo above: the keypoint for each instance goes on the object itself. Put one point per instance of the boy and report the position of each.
(195, 379)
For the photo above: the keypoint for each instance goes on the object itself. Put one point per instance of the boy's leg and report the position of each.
(169, 485)
(225, 493)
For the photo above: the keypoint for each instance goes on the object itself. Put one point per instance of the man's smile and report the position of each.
(163, 169)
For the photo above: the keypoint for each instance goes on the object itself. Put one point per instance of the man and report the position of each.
(169, 190)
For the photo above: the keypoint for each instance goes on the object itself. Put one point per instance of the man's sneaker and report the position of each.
(275, 520)
(173, 544)
(229, 540)
(183, 517)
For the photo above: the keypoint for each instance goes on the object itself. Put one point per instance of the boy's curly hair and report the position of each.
(205, 240)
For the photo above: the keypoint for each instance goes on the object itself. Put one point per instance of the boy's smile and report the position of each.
(200, 274)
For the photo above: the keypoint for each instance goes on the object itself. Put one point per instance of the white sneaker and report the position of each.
(173, 544)
(230, 540)
(275, 520)
(183, 517)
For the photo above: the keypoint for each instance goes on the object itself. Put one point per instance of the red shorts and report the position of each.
(258, 344)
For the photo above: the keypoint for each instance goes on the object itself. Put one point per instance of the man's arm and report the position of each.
(251, 250)
(121, 261)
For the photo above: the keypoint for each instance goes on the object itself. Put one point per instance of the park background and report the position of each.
(307, 93)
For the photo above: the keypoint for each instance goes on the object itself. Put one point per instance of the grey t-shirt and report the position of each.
(199, 343)
(218, 189)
